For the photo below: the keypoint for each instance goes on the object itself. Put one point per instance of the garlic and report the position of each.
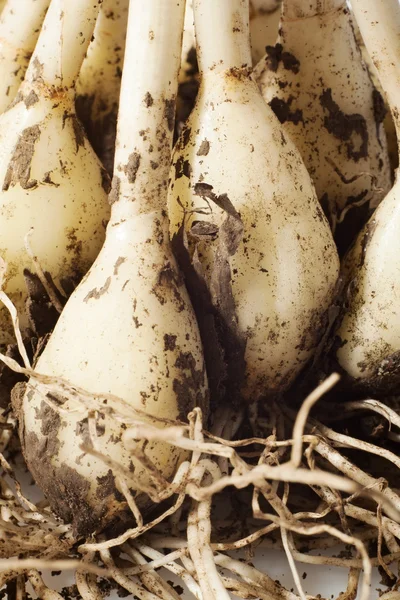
(316, 82)
(51, 179)
(128, 329)
(368, 336)
(257, 236)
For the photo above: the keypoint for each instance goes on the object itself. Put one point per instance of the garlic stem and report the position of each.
(61, 47)
(147, 106)
(379, 23)
(20, 24)
(222, 33)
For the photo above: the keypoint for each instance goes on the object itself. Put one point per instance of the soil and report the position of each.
(168, 287)
(189, 388)
(223, 346)
(350, 128)
(169, 112)
(205, 315)
(31, 99)
(41, 313)
(97, 293)
(115, 190)
(106, 485)
(63, 487)
(187, 92)
(148, 100)
(19, 168)
(132, 167)
(79, 132)
(282, 110)
(169, 342)
(204, 148)
(380, 110)
(182, 168)
(275, 55)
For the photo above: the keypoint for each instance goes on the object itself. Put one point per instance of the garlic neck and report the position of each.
(305, 9)
(63, 42)
(35, 93)
(127, 227)
(222, 34)
(147, 106)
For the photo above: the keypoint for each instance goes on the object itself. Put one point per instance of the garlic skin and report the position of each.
(319, 87)
(51, 180)
(129, 328)
(248, 207)
(20, 24)
(368, 333)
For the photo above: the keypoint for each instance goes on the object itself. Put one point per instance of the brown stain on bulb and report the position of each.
(283, 111)
(19, 167)
(96, 293)
(349, 128)
(132, 167)
(276, 55)
(169, 112)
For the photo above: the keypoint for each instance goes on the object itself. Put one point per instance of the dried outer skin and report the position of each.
(368, 335)
(321, 91)
(137, 326)
(51, 180)
(258, 236)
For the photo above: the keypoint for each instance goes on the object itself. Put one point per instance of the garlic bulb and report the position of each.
(51, 179)
(316, 82)
(258, 241)
(128, 329)
(368, 335)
